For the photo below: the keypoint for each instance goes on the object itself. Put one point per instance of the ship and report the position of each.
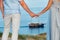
(36, 25)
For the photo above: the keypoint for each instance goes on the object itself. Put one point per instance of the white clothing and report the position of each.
(55, 21)
(15, 20)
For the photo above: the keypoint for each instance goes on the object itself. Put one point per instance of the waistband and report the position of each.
(11, 11)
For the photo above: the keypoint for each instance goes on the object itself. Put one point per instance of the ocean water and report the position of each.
(26, 20)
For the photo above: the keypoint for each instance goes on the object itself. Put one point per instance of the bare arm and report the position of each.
(47, 7)
(23, 4)
(2, 7)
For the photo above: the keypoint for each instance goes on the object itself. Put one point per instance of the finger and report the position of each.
(32, 16)
(37, 15)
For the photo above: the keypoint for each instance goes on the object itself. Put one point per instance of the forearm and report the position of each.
(2, 10)
(23, 4)
(47, 7)
(2, 7)
(44, 10)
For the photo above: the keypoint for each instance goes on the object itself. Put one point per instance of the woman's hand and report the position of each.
(33, 15)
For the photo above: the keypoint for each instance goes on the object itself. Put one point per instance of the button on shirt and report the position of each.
(11, 6)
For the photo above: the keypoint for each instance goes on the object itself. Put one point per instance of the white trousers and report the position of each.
(15, 20)
(55, 23)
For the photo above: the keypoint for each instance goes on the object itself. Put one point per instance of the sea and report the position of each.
(26, 20)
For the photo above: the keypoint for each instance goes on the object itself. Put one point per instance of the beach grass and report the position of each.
(29, 37)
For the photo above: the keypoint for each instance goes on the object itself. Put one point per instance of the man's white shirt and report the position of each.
(11, 6)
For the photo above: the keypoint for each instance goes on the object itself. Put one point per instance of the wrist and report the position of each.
(40, 13)
(30, 12)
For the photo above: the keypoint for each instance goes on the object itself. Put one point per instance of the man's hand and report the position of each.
(33, 15)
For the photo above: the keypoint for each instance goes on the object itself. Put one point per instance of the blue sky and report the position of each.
(36, 3)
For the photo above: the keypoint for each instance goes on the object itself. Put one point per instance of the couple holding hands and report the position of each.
(11, 14)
